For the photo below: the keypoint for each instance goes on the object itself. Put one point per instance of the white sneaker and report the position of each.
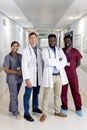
(18, 116)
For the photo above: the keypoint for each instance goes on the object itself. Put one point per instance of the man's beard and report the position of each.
(52, 46)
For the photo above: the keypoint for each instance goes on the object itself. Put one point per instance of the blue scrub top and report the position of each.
(13, 63)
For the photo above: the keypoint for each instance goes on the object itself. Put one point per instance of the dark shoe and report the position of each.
(42, 118)
(28, 118)
(38, 111)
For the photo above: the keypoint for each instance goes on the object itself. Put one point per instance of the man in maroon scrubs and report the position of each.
(73, 61)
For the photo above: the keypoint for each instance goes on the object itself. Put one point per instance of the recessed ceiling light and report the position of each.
(57, 30)
(71, 18)
(16, 17)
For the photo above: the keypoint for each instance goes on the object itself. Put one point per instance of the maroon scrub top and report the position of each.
(72, 57)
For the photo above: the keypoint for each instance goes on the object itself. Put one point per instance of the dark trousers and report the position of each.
(26, 99)
(75, 94)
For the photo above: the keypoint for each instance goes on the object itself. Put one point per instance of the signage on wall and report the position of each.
(42, 34)
(4, 22)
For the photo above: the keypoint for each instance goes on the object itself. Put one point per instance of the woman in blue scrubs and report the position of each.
(12, 66)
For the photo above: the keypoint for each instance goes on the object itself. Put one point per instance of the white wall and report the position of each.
(61, 39)
(80, 38)
(9, 31)
(82, 76)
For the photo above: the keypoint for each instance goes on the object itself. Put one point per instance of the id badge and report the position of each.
(68, 63)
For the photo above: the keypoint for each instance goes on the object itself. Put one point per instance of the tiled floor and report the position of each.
(72, 122)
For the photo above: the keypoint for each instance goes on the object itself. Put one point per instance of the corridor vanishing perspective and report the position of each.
(58, 18)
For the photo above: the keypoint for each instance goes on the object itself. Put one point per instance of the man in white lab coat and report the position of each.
(32, 75)
(54, 75)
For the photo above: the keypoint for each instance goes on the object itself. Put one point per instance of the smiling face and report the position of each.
(67, 42)
(52, 42)
(14, 47)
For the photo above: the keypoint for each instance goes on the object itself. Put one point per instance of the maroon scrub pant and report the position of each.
(73, 81)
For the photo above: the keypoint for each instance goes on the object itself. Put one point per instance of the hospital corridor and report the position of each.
(43, 65)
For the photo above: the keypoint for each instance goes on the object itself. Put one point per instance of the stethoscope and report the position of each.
(30, 50)
(50, 54)
(31, 54)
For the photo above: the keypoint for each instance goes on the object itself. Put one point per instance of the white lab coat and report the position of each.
(50, 62)
(29, 65)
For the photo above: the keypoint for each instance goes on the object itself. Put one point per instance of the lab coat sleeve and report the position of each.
(63, 62)
(49, 61)
(25, 65)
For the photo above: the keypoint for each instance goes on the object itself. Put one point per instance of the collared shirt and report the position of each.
(55, 70)
(35, 50)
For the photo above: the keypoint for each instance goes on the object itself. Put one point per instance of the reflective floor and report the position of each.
(72, 122)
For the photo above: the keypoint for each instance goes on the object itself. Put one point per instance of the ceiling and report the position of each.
(46, 15)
